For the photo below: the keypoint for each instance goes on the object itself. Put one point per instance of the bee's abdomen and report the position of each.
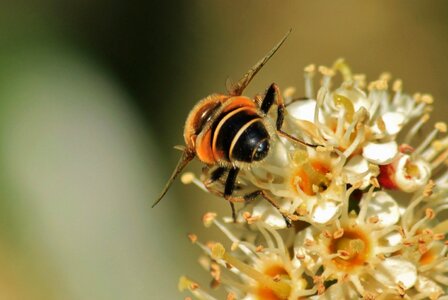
(251, 144)
(237, 133)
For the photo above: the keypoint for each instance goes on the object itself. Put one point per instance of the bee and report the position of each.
(230, 131)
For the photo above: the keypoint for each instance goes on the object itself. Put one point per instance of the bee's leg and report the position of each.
(273, 95)
(215, 175)
(229, 187)
(262, 193)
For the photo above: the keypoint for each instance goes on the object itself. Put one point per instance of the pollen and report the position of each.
(187, 178)
(353, 248)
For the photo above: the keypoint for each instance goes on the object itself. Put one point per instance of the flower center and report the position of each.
(311, 177)
(277, 272)
(427, 257)
(353, 247)
(270, 283)
(411, 170)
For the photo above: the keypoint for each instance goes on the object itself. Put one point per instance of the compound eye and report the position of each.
(261, 151)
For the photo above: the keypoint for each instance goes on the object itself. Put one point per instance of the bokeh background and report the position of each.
(94, 94)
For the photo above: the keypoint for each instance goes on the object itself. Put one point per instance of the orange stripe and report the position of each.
(237, 102)
(203, 149)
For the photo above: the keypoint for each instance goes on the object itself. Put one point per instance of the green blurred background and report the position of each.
(94, 94)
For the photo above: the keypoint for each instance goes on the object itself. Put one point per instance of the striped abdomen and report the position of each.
(236, 134)
(240, 135)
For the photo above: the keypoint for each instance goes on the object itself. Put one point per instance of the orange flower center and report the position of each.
(354, 247)
(277, 272)
(311, 175)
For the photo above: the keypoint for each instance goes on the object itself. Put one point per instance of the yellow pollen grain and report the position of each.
(380, 123)
(430, 214)
(338, 233)
(417, 97)
(218, 251)
(208, 218)
(385, 76)
(344, 254)
(210, 244)
(246, 215)
(326, 71)
(398, 85)
(428, 99)
(234, 246)
(438, 145)
(424, 118)
(187, 178)
(253, 220)
(369, 296)
(401, 288)
(259, 248)
(381, 256)
(374, 182)
(308, 243)
(187, 284)
(215, 271)
(327, 234)
(301, 210)
(231, 296)
(360, 79)
(373, 219)
(439, 236)
(440, 126)
(429, 187)
(300, 256)
(193, 237)
(422, 248)
(380, 84)
(310, 68)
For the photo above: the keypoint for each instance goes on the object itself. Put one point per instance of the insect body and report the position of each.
(231, 131)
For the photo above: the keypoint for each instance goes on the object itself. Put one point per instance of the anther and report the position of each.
(193, 237)
(441, 126)
(187, 178)
(208, 218)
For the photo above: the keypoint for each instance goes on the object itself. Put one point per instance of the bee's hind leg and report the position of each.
(272, 96)
(229, 187)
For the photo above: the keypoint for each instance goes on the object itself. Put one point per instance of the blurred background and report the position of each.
(93, 97)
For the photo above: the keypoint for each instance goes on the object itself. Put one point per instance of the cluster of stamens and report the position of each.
(367, 204)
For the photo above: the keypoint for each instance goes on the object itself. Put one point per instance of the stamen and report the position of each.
(193, 287)
(310, 70)
(280, 288)
(341, 66)
(413, 131)
(438, 127)
(188, 178)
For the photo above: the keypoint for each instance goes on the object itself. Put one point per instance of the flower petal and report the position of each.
(325, 212)
(303, 110)
(395, 270)
(385, 208)
(380, 153)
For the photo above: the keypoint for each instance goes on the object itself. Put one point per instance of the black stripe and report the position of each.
(249, 140)
(230, 128)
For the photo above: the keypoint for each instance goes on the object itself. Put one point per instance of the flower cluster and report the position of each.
(367, 203)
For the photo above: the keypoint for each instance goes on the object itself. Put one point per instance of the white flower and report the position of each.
(356, 251)
(363, 202)
(249, 271)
